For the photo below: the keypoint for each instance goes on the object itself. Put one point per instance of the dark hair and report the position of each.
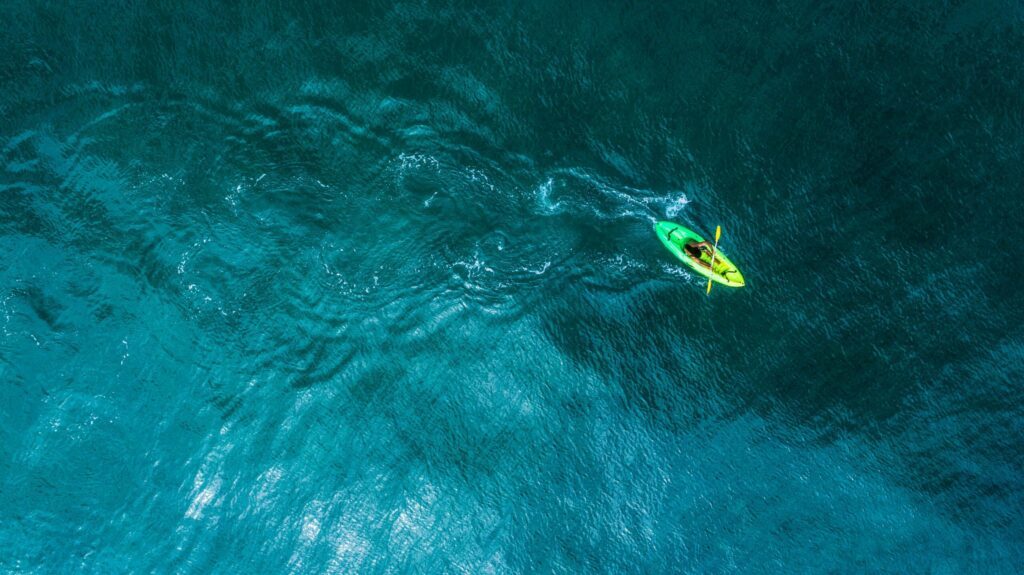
(692, 250)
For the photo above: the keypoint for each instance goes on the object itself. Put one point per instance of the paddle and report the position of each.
(718, 235)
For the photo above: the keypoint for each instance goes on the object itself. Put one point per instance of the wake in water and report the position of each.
(496, 234)
(583, 193)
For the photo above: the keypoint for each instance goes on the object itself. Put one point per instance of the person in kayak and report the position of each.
(696, 249)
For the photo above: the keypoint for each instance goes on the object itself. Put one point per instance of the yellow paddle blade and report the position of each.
(709, 286)
(718, 233)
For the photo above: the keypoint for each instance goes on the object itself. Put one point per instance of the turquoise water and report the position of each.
(300, 288)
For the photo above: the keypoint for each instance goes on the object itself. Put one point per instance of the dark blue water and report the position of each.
(373, 288)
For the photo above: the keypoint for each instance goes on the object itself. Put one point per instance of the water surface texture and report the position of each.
(372, 287)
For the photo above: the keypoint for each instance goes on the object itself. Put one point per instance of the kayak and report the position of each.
(675, 236)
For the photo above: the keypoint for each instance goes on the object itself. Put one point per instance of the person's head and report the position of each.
(692, 250)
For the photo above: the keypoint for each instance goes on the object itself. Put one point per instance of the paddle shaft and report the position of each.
(714, 252)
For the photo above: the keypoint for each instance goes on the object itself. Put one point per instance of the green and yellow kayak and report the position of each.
(675, 236)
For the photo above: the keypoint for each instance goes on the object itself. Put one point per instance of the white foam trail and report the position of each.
(633, 202)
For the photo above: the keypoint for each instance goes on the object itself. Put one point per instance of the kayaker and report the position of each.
(695, 249)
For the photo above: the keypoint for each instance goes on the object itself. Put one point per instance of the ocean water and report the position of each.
(372, 287)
